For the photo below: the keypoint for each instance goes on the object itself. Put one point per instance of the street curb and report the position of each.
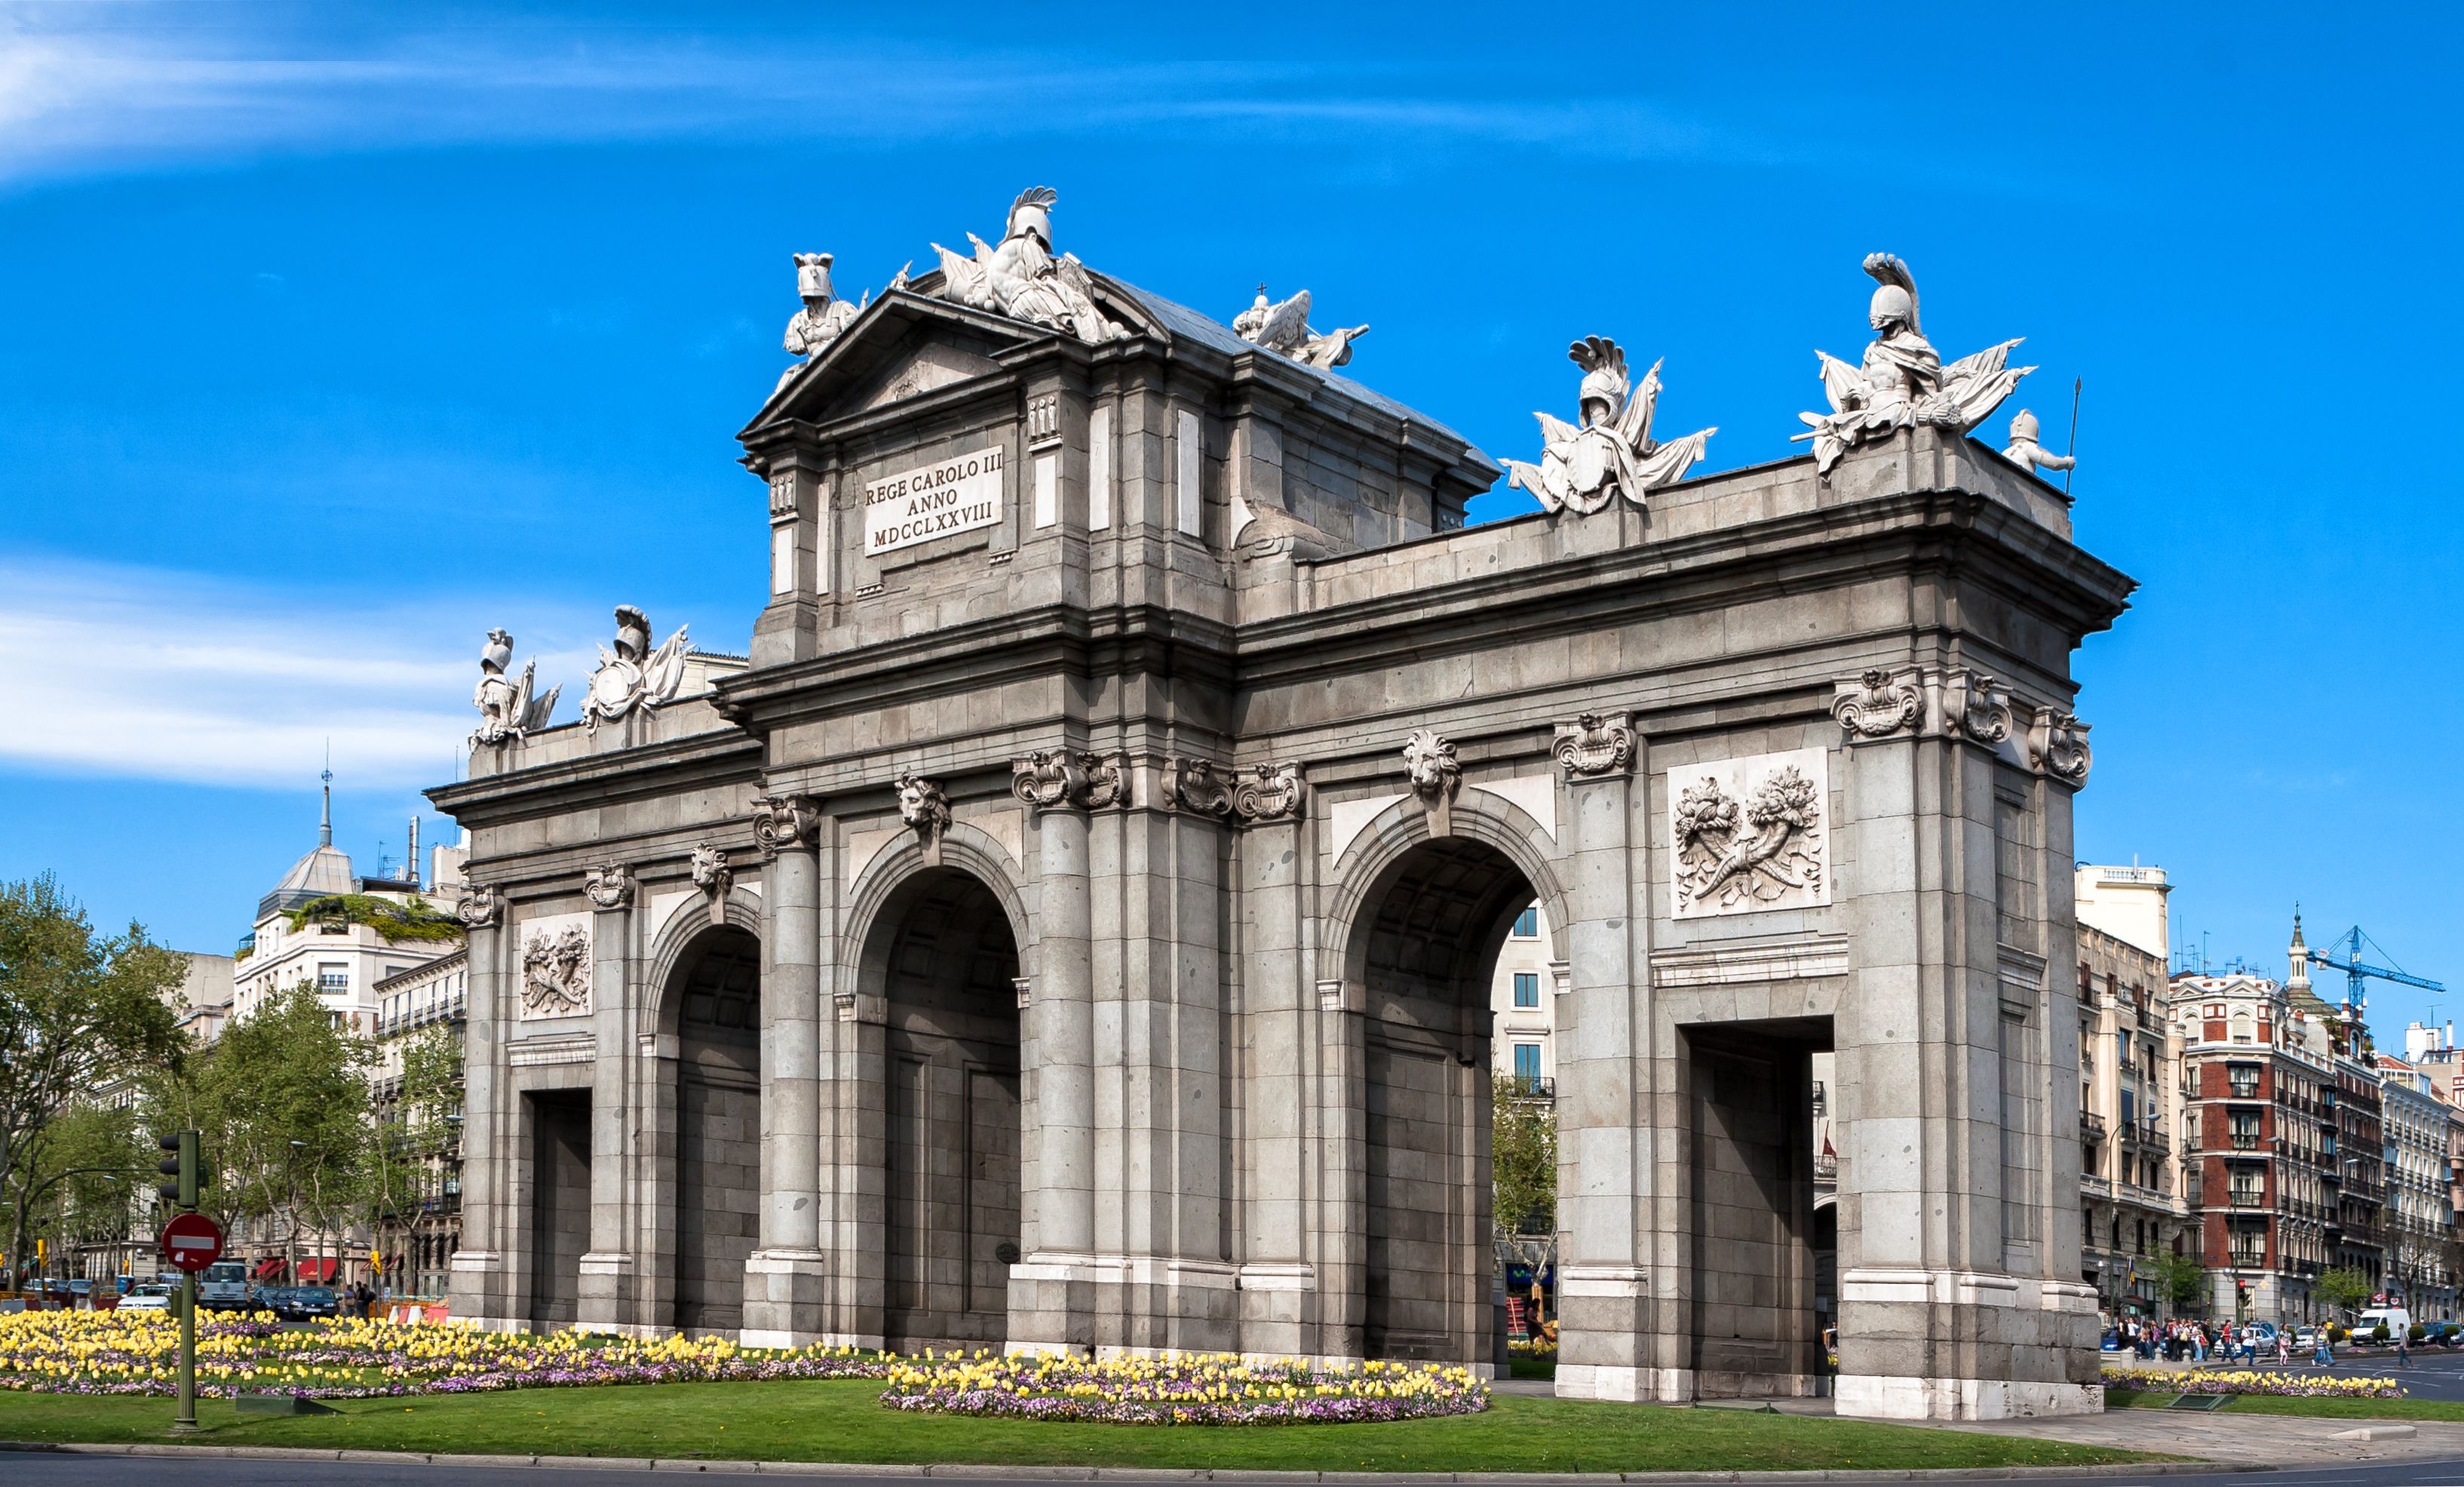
(1116, 1474)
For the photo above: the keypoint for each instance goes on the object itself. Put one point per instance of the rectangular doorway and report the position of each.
(560, 1202)
(1756, 1330)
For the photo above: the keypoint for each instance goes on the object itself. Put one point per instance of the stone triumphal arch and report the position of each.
(1070, 928)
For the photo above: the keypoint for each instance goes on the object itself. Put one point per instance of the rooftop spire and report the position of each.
(325, 824)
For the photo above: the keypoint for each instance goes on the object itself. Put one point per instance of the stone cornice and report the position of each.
(601, 778)
(1957, 532)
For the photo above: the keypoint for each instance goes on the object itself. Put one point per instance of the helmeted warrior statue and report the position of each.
(1285, 327)
(823, 319)
(507, 709)
(2029, 454)
(1584, 469)
(1901, 381)
(634, 675)
(1022, 279)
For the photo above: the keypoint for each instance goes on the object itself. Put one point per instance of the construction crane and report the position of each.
(2356, 970)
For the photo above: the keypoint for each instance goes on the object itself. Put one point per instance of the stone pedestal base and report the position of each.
(1109, 1305)
(475, 1291)
(1881, 1398)
(783, 1298)
(607, 1299)
(1942, 1344)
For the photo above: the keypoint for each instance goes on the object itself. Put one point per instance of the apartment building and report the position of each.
(1522, 999)
(2417, 1226)
(2132, 1207)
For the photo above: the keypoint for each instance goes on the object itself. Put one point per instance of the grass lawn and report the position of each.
(839, 1421)
(2279, 1404)
(1532, 1368)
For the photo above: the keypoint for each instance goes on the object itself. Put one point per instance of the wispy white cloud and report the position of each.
(112, 86)
(141, 673)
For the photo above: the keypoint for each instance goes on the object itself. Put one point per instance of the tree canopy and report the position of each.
(78, 1010)
(1523, 1158)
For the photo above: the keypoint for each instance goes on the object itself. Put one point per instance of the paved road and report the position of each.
(56, 1469)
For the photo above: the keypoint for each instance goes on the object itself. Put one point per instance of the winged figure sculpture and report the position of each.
(1901, 381)
(1285, 327)
(1024, 279)
(1585, 467)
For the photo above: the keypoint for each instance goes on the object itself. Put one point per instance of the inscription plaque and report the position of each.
(957, 495)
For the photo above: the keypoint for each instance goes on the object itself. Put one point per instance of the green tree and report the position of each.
(419, 1121)
(2182, 1281)
(76, 1011)
(282, 1101)
(1523, 1158)
(2345, 1289)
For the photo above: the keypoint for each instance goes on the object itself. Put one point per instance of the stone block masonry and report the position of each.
(1047, 941)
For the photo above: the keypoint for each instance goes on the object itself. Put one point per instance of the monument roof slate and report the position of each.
(1195, 326)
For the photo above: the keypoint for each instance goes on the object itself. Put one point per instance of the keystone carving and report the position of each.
(1595, 743)
(1437, 777)
(711, 874)
(1975, 706)
(1196, 786)
(556, 972)
(1050, 779)
(924, 805)
(2058, 745)
(479, 907)
(1270, 793)
(1879, 705)
(609, 886)
(784, 823)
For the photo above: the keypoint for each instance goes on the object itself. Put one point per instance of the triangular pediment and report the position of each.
(903, 345)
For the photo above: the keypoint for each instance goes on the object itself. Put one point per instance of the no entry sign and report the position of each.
(190, 1241)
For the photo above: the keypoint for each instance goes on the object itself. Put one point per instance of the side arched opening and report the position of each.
(1424, 950)
(715, 1012)
(944, 959)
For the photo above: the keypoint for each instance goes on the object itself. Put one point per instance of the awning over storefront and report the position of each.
(317, 1272)
(269, 1266)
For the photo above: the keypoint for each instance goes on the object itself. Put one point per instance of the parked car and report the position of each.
(298, 1304)
(155, 1297)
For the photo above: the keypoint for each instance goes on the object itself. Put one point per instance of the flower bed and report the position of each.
(118, 1352)
(2246, 1381)
(1179, 1389)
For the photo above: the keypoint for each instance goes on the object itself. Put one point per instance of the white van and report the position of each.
(222, 1287)
(2399, 1320)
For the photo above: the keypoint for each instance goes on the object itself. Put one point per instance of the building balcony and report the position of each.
(2091, 1125)
(2096, 1187)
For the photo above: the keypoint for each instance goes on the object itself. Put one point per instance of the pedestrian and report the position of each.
(2403, 1347)
(2319, 1355)
(2283, 1346)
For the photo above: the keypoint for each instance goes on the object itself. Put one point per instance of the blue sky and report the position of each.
(330, 336)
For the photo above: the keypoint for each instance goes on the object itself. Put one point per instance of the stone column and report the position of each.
(1617, 1253)
(1052, 1290)
(608, 1280)
(478, 1290)
(1341, 1112)
(784, 1279)
(1948, 1307)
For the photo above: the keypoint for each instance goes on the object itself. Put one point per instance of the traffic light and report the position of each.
(183, 1164)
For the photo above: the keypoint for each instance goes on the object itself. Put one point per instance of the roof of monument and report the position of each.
(1195, 326)
(1178, 322)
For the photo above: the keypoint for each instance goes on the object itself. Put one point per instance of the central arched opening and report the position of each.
(718, 1127)
(947, 963)
(1425, 952)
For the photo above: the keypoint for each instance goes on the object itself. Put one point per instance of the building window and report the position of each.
(1526, 1063)
(333, 976)
(2245, 1080)
(1527, 988)
(1527, 924)
(2244, 1130)
(2249, 1190)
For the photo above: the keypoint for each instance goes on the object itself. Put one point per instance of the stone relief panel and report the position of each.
(556, 966)
(1750, 834)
